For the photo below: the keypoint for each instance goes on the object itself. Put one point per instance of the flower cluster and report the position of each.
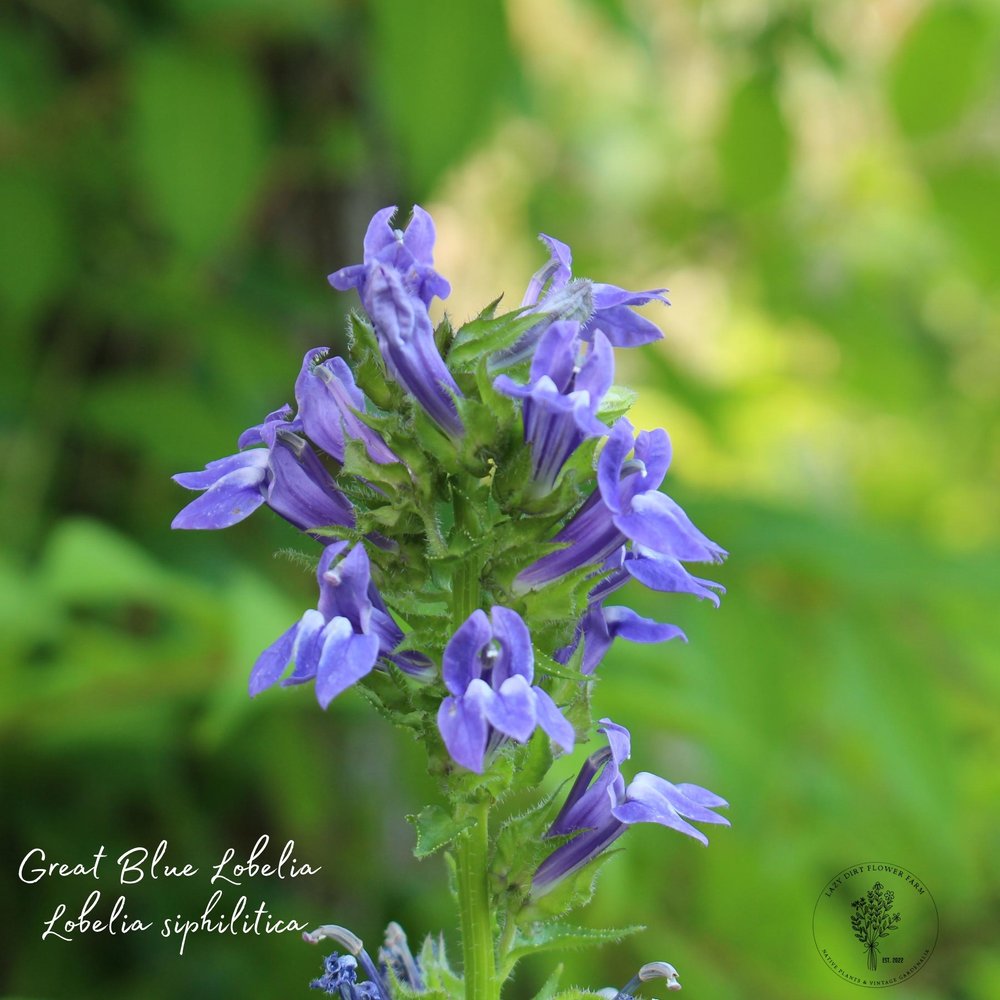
(474, 497)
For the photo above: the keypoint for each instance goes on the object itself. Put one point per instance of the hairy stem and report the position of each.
(474, 905)
(472, 849)
(465, 583)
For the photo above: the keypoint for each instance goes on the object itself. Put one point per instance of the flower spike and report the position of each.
(473, 497)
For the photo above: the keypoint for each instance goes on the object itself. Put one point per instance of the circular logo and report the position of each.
(875, 924)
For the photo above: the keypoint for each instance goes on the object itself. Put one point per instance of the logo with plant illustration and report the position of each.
(873, 920)
(888, 910)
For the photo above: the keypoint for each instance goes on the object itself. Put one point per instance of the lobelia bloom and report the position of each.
(656, 570)
(612, 311)
(600, 626)
(626, 506)
(396, 958)
(340, 972)
(329, 404)
(560, 401)
(286, 474)
(488, 668)
(647, 973)
(338, 642)
(340, 978)
(396, 283)
(553, 290)
(600, 807)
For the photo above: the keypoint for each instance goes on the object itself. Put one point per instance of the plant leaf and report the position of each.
(435, 828)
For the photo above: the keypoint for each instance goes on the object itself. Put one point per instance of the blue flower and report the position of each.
(410, 253)
(611, 305)
(329, 404)
(647, 973)
(340, 977)
(488, 666)
(600, 807)
(286, 474)
(560, 401)
(338, 642)
(600, 626)
(396, 958)
(396, 283)
(626, 507)
(340, 972)
(555, 294)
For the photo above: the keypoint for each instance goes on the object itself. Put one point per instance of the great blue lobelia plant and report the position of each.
(475, 497)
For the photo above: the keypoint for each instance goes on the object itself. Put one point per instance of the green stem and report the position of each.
(474, 909)
(472, 849)
(506, 943)
(465, 584)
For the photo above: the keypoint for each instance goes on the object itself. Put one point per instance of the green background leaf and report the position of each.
(816, 184)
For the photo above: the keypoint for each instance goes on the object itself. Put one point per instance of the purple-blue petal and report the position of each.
(272, 662)
(343, 588)
(658, 522)
(554, 274)
(641, 811)
(619, 740)
(461, 662)
(231, 499)
(552, 722)
(214, 471)
(666, 574)
(624, 623)
(702, 796)
(656, 794)
(516, 657)
(502, 383)
(344, 659)
(302, 491)
(346, 278)
(406, 337)
(582, 808)
(609, 465)
(597, 639)
(511, 709)
(555, 426)
(325, 398)
(590, 537)
(654, 450)
(556, 353)
(463, 726)
(598, 786)
(571, 857)
(597, 373)
(623, 327)
(608, 296)
(419, 236)
(264, 432)
(649, 798)
(306, 647)
(379, 234)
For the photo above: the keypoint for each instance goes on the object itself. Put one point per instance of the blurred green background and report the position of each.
(819, 186)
